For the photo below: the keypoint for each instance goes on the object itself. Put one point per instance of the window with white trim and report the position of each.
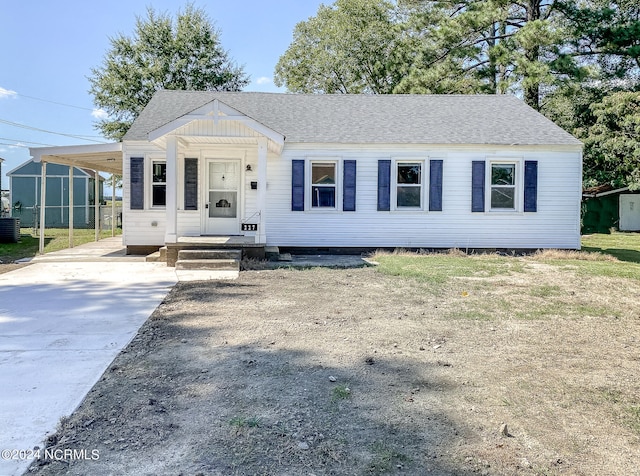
(408, 185)
(158, 183)
(503, 182)
(323, 184)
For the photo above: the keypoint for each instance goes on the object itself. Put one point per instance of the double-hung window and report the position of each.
(326, 184)
(409, 185)
(323, 184)
(503, 185)
(158, 183)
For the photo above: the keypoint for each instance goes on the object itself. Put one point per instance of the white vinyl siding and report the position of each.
(556, 222)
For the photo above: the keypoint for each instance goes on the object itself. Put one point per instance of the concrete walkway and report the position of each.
(63, 319)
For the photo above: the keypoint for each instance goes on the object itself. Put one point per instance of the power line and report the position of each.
(14, 145)
(27, 141)
(54, 102)
(15, 124)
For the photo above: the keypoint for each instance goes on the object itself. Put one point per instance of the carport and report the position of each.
(97, 157)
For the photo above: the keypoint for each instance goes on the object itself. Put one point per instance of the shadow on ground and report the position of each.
(248, 378)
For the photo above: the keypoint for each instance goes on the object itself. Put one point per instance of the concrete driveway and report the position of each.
(63, 319)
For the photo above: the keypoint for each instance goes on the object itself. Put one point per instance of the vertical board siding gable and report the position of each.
(349, 186)
(190, 184)
(435, 185)
(477, 185)
(384, 185)
(137, 183)
(530, 185)
(297, 185)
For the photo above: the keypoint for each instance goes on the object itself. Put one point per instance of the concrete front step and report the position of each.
(158, 256)
(209, 254)
(208, 264)
(153, 257)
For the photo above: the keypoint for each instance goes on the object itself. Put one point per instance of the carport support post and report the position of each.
(71, 206)
(96, 203)
(43, 201)
(113, 205)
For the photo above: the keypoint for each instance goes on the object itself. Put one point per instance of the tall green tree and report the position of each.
(163, 53)
(353, 46)
(428, 46)
(601, 110)
(491, 46)
(612, 142)
(605, 33)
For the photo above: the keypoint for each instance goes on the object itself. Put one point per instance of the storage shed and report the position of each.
(25, 181)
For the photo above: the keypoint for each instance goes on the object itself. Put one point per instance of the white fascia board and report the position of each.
(38, 152)
(604, 194)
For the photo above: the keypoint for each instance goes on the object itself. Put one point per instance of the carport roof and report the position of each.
(100, 157)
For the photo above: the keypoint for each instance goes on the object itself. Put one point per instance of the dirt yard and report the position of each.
(6, 267)
(352, 372)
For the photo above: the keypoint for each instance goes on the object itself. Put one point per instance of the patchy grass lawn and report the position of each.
(55, 239)
(412, 367)
(624, 246)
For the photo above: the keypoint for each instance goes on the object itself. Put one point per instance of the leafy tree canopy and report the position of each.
(612, 142)
(578, 61)
(163, 53)
(354, 46)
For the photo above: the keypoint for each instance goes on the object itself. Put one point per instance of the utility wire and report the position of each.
(54, 102)
(27, 141)
(15, 124)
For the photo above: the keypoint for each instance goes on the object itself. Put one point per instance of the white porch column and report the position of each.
(261, 236)
(171, 232)
(113, 205)
(43, 201)
(70, 206)
(96, 204)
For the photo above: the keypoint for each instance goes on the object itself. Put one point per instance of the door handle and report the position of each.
(206, 205)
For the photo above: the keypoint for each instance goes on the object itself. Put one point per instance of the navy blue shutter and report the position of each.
(190, 184)
(435, 185)
(477, 186)
(384, 185)
(297, 185)
(136, 183)
(530, 185)
(349, 186)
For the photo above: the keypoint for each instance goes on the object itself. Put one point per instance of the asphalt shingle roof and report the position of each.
(362, 119)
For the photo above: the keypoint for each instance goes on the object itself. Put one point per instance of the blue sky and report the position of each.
(47, 50)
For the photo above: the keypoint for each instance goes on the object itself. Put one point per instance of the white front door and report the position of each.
(222, 197)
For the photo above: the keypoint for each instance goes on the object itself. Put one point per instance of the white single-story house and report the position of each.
(343, 171)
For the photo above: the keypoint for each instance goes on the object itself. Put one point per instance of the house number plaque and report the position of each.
(249, 227)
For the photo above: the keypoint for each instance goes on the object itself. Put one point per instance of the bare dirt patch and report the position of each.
(6, 267)
(325, 371)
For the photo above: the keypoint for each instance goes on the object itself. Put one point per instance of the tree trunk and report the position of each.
(532, 90)
(493, 70)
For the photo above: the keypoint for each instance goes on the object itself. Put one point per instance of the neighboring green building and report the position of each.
(605, 208)
(24, 184)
